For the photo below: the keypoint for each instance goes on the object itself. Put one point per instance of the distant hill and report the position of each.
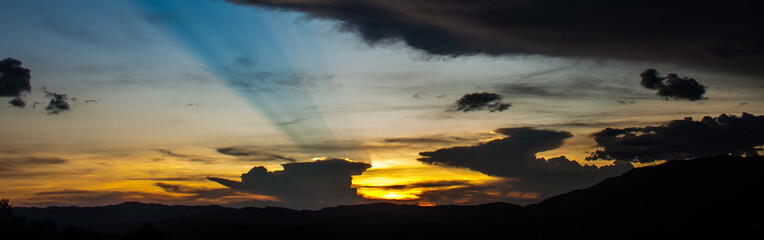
(711, 197)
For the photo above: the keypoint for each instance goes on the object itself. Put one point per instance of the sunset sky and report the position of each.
(421, 102)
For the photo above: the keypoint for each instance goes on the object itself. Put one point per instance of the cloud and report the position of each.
(309, 185)
(197, 193)
(193, 196)
(424, 184)
(681, 139)
(58, 102)
(697, 32)
(253, 154)
(479, 101)
(514, 157)
(173, 194)
(18, 102)
(424, 139)
(14, 80)
(22, 163)
(192, 158)
(447, 192)
(502, 191)
(671, 86)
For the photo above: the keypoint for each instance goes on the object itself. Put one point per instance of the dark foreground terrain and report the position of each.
(719, 197)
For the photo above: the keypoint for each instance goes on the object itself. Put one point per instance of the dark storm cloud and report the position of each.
(515, 157)
(681, 139)
(672, 86)
(14, 79)
(253, 154)
(684, 31)
(478, 101)
(304, 184)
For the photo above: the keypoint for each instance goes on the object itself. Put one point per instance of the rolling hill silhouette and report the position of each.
(708, 197)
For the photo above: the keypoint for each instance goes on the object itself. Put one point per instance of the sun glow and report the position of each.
(402, 180)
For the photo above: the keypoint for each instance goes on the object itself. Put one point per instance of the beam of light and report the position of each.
(219, 34)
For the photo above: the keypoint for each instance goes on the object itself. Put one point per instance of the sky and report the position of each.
(309, 104)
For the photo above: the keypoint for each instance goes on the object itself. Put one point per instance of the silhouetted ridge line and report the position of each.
(710, 197)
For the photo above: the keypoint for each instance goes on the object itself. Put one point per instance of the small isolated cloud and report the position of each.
(672, 86)
(308, 185)
(514, 157)
(18, 102)
(14, 80)
(681, 139)
(251, 154)
(59, 102)
(479, 101)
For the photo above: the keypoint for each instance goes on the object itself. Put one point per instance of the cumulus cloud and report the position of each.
(672, 86)
(514, 157)
(59, 102)
(681, 139)
(479, 101)
(308, 185)
(697, 32)
(14, 80)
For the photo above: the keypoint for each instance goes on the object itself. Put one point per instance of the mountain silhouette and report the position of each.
(709, 197)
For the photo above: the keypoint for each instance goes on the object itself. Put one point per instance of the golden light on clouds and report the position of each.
(397, 179)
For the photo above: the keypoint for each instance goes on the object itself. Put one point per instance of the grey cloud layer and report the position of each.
(694, 32)
(681, 139)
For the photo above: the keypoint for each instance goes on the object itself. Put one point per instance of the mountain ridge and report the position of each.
(717, 196)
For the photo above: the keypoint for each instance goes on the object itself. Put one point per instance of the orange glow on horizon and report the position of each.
(397, 179)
